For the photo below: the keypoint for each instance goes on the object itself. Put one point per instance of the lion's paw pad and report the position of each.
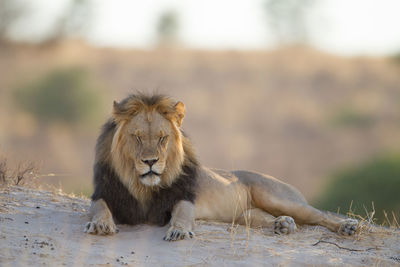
(177, 234)
(284, 225)
(100, 228)
(348, 227)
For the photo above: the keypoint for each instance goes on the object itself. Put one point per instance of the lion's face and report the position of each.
(148, 137)
(147, 146)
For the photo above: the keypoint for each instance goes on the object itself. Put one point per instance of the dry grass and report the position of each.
(368, 231)
(368, 226)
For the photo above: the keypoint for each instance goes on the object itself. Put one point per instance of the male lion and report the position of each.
(145, 171)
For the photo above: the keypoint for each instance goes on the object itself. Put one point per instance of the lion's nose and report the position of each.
(150, 162)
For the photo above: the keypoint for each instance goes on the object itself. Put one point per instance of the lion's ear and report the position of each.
(180, 112)
(125, 111)
(116, 107)
(119, 112)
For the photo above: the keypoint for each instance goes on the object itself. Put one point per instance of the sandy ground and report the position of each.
(46, 228)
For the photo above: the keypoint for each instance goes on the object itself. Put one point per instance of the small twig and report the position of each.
(349, 249)
(22, 170)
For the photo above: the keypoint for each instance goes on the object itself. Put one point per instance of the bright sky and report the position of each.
(347, 27)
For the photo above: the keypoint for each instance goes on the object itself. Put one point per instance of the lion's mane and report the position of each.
(131, 202)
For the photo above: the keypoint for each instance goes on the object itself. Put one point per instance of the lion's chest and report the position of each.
(156, 211)
(126, 209)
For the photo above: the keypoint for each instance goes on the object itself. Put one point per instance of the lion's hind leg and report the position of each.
(102, 222)
(302, 212)
(258, 218)
(306, 214)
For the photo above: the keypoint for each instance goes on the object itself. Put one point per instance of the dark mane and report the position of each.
(127, 210)
(124, 207)
(148, 100)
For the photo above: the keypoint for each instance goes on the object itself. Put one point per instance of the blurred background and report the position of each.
(307, 91)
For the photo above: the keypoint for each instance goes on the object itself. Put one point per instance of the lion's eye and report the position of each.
(137, 138)
(163, 139)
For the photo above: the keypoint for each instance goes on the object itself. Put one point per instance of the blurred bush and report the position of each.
(396, 58)
(167, 28)
(348, 117)
(10, 12)
(377, 181)
(63, 95)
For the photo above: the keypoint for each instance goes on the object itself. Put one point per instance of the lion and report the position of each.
(146, 171)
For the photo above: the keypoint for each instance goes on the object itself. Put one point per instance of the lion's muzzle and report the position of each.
(150, 179)
(150, 173)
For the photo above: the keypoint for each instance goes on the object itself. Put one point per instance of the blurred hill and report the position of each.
(294, 113)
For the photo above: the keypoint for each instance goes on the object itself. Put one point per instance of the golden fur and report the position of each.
(242, 196)
(120, 152)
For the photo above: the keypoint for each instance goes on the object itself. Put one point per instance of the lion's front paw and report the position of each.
(348, 227)
(174, 234)
(284, 225)
(101, 227)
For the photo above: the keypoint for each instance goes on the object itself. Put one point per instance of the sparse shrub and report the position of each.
(62, 95)
(377, 181)
(3, 171)
(22, 173)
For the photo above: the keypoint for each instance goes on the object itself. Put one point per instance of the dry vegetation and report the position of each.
(24, 173)
(296, 114)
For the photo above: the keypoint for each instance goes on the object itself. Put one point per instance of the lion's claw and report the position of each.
(174, 234)
(348, 227)
(100, 228)
(284, 225)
